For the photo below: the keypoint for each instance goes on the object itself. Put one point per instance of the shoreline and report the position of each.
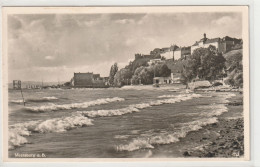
(222, 139)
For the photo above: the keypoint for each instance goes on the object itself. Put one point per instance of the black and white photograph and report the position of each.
(126, 82)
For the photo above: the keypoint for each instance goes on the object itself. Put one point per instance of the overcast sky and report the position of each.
(52, 47)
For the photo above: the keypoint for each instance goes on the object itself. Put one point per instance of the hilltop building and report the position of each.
(88, 80)
(223, 45)
(155, 61)
(182, 52)
(168, 53)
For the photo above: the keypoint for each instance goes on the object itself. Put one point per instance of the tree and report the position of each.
(212, 64)
(234, 65)
(163, 70)
(122, 77)
(235, 78)
(234, 61)
(113, 71)
(67, 84)
(136, 77)
(146, 74)
(204, 63)
(188, 71)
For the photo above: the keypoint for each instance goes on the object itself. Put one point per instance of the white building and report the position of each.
(167, 55)
(182, 52)
(155, 61)
(177, 54)
(223, 45)
(162, 80)
(205, 42)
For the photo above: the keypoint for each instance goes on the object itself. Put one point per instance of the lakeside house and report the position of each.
(162, 80)
(88, 80)
(172, 79)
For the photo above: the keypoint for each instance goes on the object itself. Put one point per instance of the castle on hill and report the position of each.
(175, 52)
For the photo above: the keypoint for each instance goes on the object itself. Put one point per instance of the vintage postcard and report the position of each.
(126, 83)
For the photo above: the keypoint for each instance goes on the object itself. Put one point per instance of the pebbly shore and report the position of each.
(224, 139)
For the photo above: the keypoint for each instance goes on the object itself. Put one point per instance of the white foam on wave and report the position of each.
(50, 98)
(228, 95)
(170, 96)
(213, 110)
(17, 101)
(136, 107)
(18, 131)
(217, 109)
(148, 141)
(121, 136)
(166, 96)
(225, 96)
(55, 107)
(234, 117)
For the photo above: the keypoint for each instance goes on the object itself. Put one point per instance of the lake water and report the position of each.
(114, 122)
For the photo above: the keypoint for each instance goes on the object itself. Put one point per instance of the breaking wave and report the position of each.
(17, 101)
(149, 141)
(136, 107)
(213, 110)
(18, 132)
(50, 98)
(55, 107)
(44, 99)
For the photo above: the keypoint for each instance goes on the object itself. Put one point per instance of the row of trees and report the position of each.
(142, 74)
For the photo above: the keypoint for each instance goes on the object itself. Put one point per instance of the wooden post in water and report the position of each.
(22, 97)
(17, 84)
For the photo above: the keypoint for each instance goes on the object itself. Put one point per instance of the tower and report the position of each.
(205, 37)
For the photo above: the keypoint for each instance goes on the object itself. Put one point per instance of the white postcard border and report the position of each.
(246, 68)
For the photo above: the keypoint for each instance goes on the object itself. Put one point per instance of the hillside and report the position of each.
(234, 67)
(132, 66)
(233, 52)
